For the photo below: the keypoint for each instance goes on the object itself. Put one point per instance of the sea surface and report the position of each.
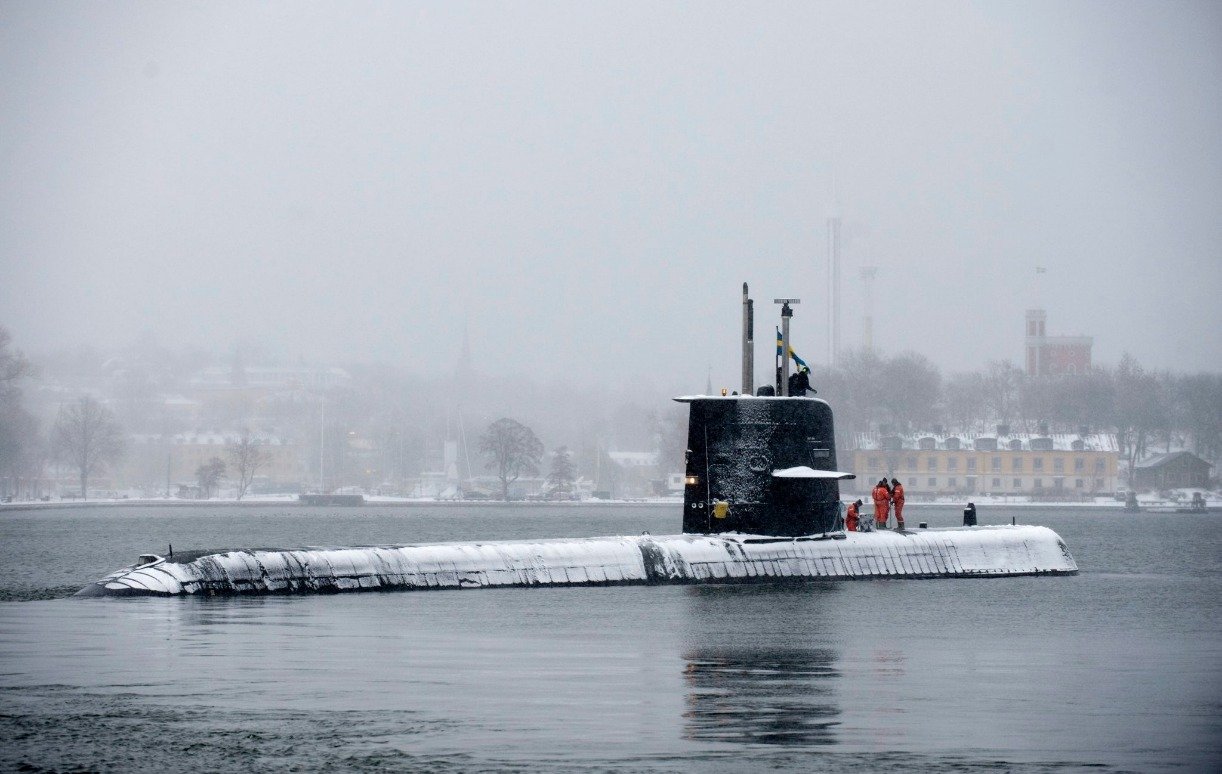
(1116, 669)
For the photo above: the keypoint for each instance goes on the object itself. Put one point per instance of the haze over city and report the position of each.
(302, 300)
(584, 188)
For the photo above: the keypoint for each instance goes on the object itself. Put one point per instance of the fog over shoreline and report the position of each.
(584, 188)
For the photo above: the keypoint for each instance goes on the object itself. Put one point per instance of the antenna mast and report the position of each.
(748, 344)
(786, 314)
(868, 273)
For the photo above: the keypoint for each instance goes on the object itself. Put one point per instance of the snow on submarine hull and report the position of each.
(979, 552)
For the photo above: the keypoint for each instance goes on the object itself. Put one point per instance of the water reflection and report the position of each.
(761, 667)
(782, 697)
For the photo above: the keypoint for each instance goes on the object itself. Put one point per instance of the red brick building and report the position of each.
(1052, 355)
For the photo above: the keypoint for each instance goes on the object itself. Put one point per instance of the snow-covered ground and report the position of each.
(291, 499)
(1175, 498)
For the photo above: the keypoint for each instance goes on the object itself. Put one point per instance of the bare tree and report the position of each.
(209, 476)
(1139, 409)
(1002, 391)
(512, 449)
(87, 437)
(20, 445)
(13, 365)
(964, 402)
(246, 456)
(911, 386)
(1201, 395)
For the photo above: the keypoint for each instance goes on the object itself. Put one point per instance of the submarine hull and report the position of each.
(980, 552)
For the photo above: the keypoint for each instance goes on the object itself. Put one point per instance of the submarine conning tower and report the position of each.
(761, 465)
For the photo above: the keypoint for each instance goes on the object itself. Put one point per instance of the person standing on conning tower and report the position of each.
(799, 382)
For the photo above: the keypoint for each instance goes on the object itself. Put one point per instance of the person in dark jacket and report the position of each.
(969, 515)
(799, 383)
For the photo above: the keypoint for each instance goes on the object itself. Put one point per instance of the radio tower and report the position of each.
(868, 273)
(833, 289)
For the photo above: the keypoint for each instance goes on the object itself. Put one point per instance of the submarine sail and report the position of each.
(763, 466)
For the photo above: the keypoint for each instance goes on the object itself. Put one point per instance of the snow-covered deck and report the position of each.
(642, 559)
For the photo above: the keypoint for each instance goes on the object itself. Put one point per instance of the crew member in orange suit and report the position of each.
(882, 503)
(850, 517)
(897, 499)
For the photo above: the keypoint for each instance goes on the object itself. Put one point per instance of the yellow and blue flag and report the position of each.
(779, 344)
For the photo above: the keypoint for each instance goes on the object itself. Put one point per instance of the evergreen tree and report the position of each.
(209, 476)
(563, 474)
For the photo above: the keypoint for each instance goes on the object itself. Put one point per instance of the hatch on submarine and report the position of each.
(761, 504)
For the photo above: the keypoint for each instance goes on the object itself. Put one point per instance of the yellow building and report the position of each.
(1053, 467)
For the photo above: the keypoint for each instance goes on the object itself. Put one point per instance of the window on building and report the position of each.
(996, 464)
(1018, 483)
(1058, 483)
(952, 463)
(933, 482)
(931, 464)
(997, 483)
(1100, 465)
(1037, 464)
(1039, 483)
(1079, 484)
(1098, 483)
(971, 482)
(910, 463)
(875, 463)
(971, 464)
(1016, 465)
(952, 482)
(1079, 464)
(1058, 465)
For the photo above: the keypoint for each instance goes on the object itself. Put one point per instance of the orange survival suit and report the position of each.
(897, 497)
(850, 518)
(882, 504)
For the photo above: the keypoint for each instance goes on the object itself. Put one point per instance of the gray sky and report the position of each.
(588, 185)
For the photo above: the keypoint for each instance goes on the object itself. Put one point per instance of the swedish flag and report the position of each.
(779, 344)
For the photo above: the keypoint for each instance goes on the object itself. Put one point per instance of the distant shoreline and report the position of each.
(375, 503)
(420, 503)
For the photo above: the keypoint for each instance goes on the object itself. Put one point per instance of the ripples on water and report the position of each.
(1116, 669)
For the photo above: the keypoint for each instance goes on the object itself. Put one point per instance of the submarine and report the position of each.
(761, 504)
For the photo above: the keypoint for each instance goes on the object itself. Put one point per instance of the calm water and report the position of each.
(1117, 669)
